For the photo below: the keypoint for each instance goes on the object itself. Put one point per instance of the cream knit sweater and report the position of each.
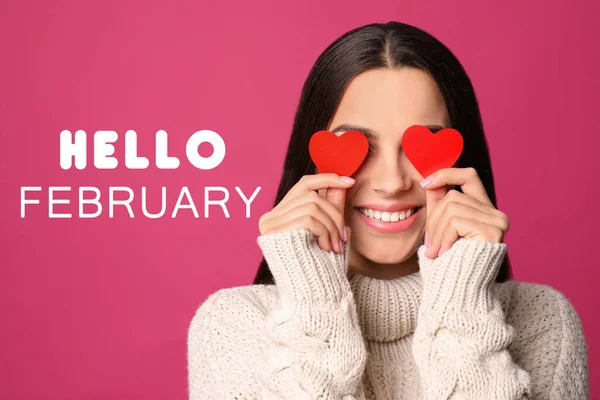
(446, 332)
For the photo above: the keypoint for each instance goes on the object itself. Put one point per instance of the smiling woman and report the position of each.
(386, 285)
(385, 102)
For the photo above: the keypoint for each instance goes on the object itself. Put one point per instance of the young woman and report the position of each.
(386, 285)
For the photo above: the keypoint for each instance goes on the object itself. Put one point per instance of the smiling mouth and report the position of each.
(386, 216)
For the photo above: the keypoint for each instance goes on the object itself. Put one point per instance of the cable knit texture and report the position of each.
(446, 332)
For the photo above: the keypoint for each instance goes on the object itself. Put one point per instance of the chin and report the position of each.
(395, 257)
(384, 248)
(384, 253)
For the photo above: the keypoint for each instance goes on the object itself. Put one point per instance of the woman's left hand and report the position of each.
(452, 214)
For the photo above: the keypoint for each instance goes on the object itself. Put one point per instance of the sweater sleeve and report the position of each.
(315, 346)
(309, 345)
(461, 340)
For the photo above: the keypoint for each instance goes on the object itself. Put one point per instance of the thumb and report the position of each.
(433, 197)
(337, 197)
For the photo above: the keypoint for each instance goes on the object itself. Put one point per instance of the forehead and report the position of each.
(387, 100)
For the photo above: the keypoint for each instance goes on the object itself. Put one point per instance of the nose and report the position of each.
(389, 175)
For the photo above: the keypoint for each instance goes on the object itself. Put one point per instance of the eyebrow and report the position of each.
(370, 133)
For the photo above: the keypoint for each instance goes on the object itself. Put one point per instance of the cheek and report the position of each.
(354, 193)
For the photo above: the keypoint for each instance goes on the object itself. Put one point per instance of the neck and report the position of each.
(359, 264)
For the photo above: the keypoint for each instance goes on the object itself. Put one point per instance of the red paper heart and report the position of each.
(430, 152)
(338, 154)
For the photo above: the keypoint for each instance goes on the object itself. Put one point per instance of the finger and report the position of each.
(316, 182)
(456, 197)
(466, 178)
(309, 223)
(473, 229)
(449, 237)
(313, 197)
(313, 210)
(468, 228)
(454, 210)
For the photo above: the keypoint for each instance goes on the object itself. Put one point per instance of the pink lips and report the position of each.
(390, 227)
(389, 207)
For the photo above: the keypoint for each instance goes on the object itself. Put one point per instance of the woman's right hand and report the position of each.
(315, 203)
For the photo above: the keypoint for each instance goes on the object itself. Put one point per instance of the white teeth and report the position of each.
(387, 216)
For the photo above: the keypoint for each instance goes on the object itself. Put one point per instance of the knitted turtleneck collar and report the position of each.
(387, 308)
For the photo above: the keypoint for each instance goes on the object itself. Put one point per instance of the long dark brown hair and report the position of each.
(389, 45)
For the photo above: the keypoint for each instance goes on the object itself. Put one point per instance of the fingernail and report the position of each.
(426, 239)
(347, 179)
(427, 181)
(346, 233)
(341, 247)
(442, 251)
(333, 246)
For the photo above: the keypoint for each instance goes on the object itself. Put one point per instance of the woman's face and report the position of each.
(383, 103)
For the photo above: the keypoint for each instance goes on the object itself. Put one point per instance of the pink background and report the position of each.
(95, 309)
